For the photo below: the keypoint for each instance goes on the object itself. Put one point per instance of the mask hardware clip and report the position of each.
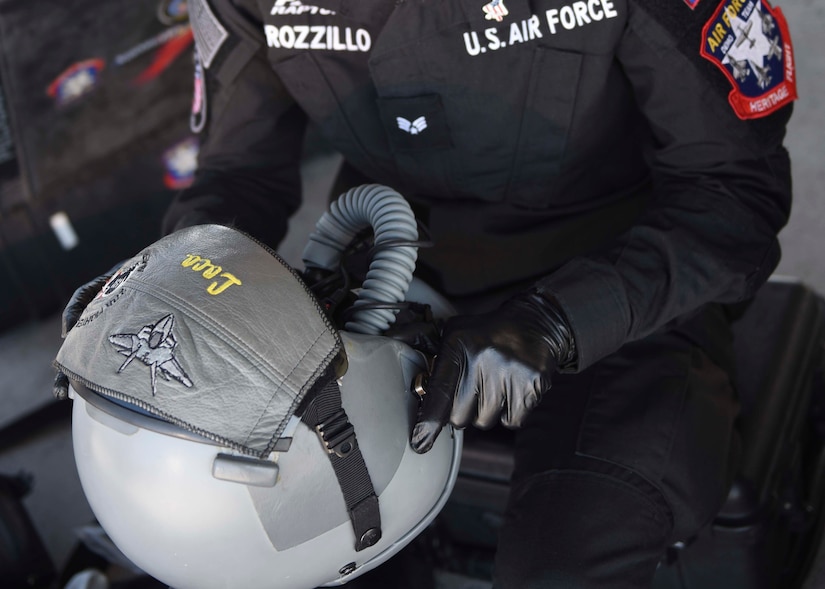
(337, 434)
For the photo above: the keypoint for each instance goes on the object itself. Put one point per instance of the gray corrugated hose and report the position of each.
(391, 268)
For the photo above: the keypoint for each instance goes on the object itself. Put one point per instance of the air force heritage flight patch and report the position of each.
(749, 41)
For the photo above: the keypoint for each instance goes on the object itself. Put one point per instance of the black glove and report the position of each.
(75, 307)
(493, 367)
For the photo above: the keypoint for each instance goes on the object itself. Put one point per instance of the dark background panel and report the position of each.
(93, 95)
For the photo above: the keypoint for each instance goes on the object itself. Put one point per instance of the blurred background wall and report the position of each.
(94, 139)
(803, 240)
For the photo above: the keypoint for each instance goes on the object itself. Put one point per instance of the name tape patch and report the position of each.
(210, 34)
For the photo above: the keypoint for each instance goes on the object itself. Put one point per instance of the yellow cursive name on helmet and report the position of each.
(210, 271)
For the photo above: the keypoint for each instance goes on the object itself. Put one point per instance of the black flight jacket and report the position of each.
(590, 147)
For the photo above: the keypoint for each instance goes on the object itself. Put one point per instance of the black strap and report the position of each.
(326, 414)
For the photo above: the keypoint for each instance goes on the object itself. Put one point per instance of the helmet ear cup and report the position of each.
(155, 494)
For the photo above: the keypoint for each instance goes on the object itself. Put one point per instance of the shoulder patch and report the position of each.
(210, 34)
(749, 41)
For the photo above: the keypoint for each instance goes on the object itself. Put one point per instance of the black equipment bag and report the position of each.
(766, 533)
(24, 561)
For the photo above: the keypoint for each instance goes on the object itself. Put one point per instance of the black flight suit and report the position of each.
(585, 146)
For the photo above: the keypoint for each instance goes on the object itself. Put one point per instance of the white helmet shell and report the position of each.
(199, 506)
(153, 487)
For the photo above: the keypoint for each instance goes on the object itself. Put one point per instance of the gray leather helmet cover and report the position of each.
(208, 329)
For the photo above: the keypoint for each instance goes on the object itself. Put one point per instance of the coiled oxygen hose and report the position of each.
(391, 268)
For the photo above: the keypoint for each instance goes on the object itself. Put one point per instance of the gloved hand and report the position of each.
(74, 308)
(493, 367)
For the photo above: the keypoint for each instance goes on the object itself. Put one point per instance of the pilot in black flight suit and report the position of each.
(601, 178)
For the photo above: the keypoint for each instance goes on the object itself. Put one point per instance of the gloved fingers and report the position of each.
(60, 388)
(480, 401)
(489, 408)
(81, 297)
(436, 403)
(523, 396)
(471, 404)
(84, 295)
(432, 417)
(519, 408)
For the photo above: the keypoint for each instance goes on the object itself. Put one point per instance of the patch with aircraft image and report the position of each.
(749, 41)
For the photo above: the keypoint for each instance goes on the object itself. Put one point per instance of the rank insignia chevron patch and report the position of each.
(749, 41)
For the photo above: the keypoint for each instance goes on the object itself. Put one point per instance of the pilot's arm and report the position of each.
(721, 193)
(251, 132)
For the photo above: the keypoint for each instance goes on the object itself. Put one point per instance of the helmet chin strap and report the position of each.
(326, 415)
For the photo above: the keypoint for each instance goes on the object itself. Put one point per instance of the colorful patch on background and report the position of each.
(170, 44)
(692, 3)
(181, 161)
(749, 41)
(76, 81)
(173, 11)
(167, 54)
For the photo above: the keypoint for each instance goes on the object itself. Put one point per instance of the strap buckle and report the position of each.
(337, 434)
